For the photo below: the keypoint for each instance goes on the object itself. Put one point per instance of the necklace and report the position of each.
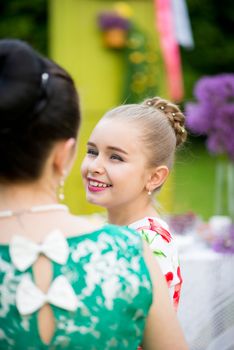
(34, 209)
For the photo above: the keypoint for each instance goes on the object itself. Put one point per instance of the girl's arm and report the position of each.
(162, 331)
(157, 234)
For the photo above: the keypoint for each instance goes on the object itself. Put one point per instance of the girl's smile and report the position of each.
(95, 185)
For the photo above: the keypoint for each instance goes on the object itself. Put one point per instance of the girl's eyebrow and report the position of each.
(112, 148)
(91, 144)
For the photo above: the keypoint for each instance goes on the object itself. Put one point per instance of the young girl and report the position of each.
(129, 156)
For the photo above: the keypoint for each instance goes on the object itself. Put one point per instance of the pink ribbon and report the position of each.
(170, 48)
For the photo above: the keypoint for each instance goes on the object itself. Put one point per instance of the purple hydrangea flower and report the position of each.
(196, 118)
(213, 113)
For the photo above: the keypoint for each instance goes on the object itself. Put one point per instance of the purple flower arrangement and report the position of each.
(110, 19)
(182, 223)
(226, 244)
(213, 113)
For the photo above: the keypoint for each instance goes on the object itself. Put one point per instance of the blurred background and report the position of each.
(122, 51)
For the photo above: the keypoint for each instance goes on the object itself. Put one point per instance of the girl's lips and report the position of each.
(96, 189)
(97, 186)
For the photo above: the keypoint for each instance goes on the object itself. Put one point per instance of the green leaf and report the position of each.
(159, 253)
(145, 236)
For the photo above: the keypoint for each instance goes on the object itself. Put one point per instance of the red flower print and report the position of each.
(169, 278)
(179, 274)
(176, 295)
(176, 298)
(154, 226)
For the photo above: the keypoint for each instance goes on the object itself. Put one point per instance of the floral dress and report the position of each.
(156, 232)
(100, 292)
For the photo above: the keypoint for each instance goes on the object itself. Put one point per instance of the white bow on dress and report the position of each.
(24, 252)
(29, 298)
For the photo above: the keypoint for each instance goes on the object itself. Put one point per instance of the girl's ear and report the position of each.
(157, 177)
(64, 155)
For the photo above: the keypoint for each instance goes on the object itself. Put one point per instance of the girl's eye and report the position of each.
(92, 151)
(116, 157)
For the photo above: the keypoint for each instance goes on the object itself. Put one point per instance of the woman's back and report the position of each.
(105, 285)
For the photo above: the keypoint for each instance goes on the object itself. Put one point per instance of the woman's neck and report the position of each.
(23, 196)
(126, 215)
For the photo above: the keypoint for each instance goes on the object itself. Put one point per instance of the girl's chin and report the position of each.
(90, 198)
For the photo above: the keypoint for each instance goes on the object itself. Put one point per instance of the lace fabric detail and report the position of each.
(113, 290)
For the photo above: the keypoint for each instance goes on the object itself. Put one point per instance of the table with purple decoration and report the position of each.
(206, 310)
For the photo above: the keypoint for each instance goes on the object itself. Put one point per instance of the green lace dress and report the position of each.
(111, 284)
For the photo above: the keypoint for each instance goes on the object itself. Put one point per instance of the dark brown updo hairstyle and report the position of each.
(38, 106)
(161, 127)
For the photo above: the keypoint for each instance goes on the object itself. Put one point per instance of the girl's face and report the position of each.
(114, 170)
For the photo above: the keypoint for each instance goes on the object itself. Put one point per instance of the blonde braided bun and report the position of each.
(174, 115)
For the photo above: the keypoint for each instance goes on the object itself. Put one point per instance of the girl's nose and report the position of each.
(96, 166)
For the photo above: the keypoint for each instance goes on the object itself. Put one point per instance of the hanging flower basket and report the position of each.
(114, 29)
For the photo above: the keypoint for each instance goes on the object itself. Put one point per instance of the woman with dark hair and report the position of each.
(64, 284)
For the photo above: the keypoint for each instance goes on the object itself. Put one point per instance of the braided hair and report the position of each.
(174, 115)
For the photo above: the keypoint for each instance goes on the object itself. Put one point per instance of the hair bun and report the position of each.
(20, 70)
(174, 115)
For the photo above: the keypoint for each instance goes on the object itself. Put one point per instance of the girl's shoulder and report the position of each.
(154, 225)
(149, 222)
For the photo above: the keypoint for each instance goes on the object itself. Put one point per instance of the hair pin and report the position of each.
(44, 79)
